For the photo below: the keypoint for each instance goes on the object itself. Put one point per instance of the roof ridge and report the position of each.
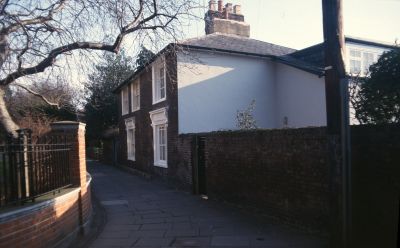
(190, 39)
(216, 34)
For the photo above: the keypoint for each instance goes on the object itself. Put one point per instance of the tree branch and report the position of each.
(50, 59)
(3, 5)
(38, 95)
(54, 8)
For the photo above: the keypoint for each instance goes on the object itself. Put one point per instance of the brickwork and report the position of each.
(144, 131)
(227, 23)
(48, 223)
(281, 172)
(181, 161)
(376, 185)
(42, 226)
(284, 174)
(75, 136)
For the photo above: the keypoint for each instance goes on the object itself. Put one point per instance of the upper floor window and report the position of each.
(368, 60)
(159, 82)
(135, 95)
(355, 62)
(125, 100)
(360, 61)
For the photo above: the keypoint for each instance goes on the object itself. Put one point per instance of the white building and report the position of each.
(198, 85)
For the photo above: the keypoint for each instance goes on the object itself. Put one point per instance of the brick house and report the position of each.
(199, 84)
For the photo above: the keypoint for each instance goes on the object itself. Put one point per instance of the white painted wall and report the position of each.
(213, 86)
(300, 96)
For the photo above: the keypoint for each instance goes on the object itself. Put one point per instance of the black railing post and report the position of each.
(13, 170)
(22, 150)
(30, 164)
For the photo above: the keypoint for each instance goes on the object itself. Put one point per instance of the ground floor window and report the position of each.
(130, 138)
(160, 126)
(161, 144)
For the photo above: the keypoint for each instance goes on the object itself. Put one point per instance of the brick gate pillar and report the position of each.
(74, 132)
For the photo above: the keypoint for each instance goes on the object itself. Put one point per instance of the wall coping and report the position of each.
(13, 214)
(67, 125)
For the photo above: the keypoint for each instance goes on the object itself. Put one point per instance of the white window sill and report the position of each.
(135, 110)
(160, 100)
(131, 158)
(162, 164)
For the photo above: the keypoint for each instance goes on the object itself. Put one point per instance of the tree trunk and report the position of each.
(6, 121)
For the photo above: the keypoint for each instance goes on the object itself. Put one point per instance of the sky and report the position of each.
(298, 23)
(295, 23)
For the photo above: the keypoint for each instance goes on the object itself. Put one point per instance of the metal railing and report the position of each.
(28, 171)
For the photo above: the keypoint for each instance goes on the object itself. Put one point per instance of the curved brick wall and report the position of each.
(48, 223)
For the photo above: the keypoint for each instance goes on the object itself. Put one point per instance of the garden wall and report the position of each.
(284, 174)
(53, 220)
(48, 223)
(376, 186)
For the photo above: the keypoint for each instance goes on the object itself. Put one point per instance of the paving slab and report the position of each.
(147, 213)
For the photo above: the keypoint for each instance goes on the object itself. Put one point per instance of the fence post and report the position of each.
(75, 136)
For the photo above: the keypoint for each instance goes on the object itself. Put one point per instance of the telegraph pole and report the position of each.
(337, 123)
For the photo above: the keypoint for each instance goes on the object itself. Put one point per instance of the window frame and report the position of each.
(123, 105)
(159, 120)
(135, 84)
(156, 82)
(158, 160)
(364, 69)
(130, 127)
(355, 59)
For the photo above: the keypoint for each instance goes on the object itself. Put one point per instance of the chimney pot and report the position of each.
(228, 20)
(237, 9)
(220, 3)
(228, 8)
(212, 5)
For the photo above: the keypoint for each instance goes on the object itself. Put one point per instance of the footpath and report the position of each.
(148, 214)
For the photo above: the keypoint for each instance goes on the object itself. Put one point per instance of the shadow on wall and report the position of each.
(209, 94)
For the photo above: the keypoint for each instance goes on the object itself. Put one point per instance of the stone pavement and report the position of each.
(142, 213)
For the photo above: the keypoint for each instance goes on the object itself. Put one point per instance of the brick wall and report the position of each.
(284, 174)
(50, 222)
(181, 161)
(45, 224)
(281, 172)
(376, 185)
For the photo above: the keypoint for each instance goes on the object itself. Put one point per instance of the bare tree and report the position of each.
(43, 103)
(37, 37)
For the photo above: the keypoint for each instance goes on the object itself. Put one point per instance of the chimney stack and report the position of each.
(228, 19)
(212, 5)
